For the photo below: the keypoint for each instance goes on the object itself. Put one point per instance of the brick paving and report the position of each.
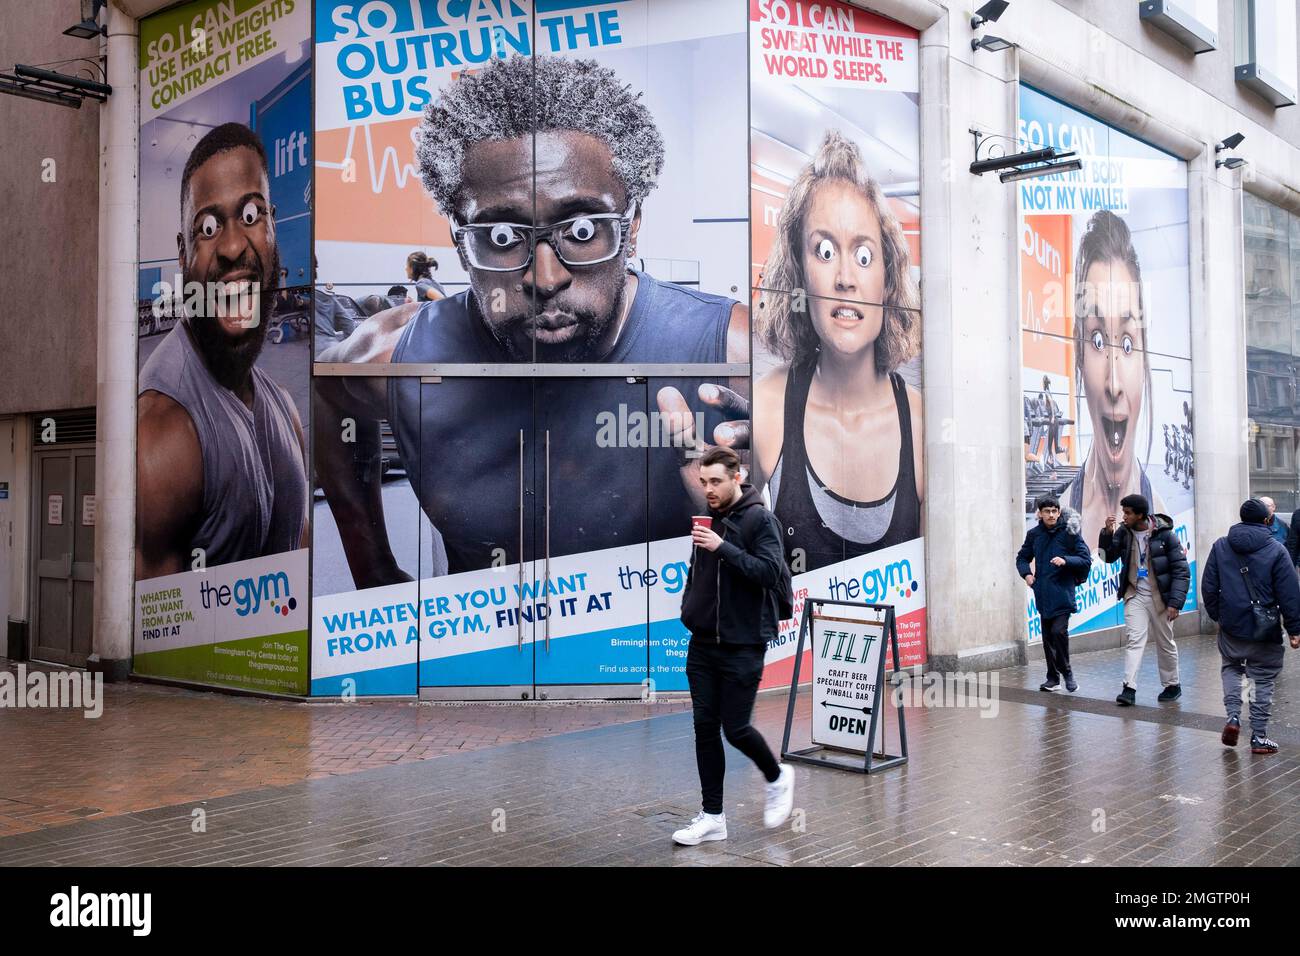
(1101, 674)
(155, 746)
(1049, 781)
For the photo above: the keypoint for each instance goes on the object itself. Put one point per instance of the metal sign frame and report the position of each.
(821, 755)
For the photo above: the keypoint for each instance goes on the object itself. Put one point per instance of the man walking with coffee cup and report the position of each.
(730, 607)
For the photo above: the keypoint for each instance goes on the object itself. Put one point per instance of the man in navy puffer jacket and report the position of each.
(1250, 546)
(1061, 562)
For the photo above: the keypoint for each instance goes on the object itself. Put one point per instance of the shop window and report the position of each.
(1193, 23)
(1271, 242)
(1266, 49)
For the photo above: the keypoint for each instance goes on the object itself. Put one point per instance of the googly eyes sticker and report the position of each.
(583, 230)
(503, 235)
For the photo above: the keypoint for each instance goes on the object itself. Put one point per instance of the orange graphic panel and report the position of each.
(368, 187)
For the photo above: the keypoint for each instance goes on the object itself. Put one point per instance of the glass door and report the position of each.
(476, 480)
(592, 438)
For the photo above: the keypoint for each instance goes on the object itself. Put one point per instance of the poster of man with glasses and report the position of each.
(580, 186)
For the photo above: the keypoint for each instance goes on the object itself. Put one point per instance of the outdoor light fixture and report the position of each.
(47, 86)
(982, 166)
(1232, 142)
(1034, 162)
(89, 88)
(15, 87)
(88, 28)
(988, 13)
(1232, 162)
(991, 43)
(1065, 165)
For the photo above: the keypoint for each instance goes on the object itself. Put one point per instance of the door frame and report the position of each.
(36, 517)
(434, 373)
(603, 690)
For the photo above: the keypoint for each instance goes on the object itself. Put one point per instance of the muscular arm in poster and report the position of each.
(169, 486)
(304, 540)
(349, 471)
(735, 431)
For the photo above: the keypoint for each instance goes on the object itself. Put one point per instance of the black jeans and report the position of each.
(724, 681)
(1056, 646)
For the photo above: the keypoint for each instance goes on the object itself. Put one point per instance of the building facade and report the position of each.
(363, 426)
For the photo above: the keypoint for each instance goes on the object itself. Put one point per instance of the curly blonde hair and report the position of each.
(789, 333)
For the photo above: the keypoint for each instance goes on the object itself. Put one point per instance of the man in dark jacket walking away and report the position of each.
(730, 607)
(1153, 584)
(1293, 539)
(1250, 551)
(1061, 562)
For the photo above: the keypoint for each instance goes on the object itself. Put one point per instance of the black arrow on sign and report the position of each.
(865, 710)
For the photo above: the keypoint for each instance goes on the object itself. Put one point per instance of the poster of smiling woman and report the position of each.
(1105, 321)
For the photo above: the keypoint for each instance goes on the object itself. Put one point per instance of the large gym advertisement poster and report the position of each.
(1105, 333)
(224, 358)
(530, 532)
(835, 232)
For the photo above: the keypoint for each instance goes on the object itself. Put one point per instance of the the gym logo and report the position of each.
(251, 595)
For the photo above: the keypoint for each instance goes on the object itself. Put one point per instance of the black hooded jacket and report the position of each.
(1224, 591)
(1054, 588)
(1167, 559)
(730, 593)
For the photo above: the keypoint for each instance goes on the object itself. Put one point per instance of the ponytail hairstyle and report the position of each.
(421, 266)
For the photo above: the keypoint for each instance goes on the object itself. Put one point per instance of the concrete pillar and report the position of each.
(975, 605)
(116, 359)
(1220, 421)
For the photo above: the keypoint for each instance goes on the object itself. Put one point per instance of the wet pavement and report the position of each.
(1050, 780)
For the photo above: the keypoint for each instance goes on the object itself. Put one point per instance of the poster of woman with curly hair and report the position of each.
(838, 427)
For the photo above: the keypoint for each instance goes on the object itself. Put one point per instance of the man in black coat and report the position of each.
(1293, 539)
(1153, 584)
(730, 607)
(1061, 562)
(1249, 551)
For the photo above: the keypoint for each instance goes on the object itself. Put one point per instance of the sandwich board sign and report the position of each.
(849, 696)
(845, 661)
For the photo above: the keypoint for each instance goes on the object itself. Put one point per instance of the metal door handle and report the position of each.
(519, 617)
(546, 591)
(67, 564)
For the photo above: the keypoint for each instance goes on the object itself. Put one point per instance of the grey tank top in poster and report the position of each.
(254, 479)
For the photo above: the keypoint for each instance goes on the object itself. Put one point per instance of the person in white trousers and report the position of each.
(1153, 583)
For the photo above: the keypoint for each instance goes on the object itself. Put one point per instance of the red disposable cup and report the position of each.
(702, 521)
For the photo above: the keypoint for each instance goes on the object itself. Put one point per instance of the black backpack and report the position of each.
(785, 593)
(784, 589)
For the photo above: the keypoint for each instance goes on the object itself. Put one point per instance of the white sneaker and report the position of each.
(780, 798)
(705, 826)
